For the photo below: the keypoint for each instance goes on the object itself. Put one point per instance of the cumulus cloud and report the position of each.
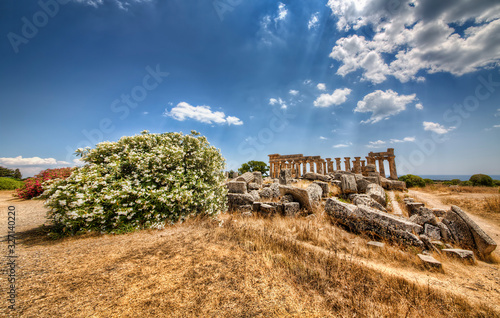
(419, 106)
(338, 97)
(382, 104)
(124, 5)
(279, 101)
(321, 86)
(202, 114)
(293, 92)
(282, 12)
(323, 138)
(406, 139)
(376, 144)
(342, 145)
(423, 37)
(497, 113)
(313, 21)
(33, 161)
(436, 128)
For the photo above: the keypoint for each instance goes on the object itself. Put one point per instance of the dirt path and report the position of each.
(396, 209)
(434, 201)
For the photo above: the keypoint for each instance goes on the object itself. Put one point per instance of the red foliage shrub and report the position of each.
(33, 186)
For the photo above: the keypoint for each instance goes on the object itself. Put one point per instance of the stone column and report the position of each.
(370, 160)
(362, 164)
(329, 164)
(392, 169)
(311, 166)
(338, 163)
(304, 167)
(381, 168)
(357, 165)
(324, 166)
(347, 163)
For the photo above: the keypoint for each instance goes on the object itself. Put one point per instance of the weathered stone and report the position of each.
(348, 184)
(246, 207)
(364, 199)
(256, 206)
(315, 176)
(335, 183)
(315, 192)
(422, 216)
(266, 193)
(253, 186)
(428, 243)
(370, 168)
(287, 198)
(413, 207)
(465, 255)
(445, 232)
(258, 177)
(285, 176)
(366, 219)
(270, 192)
(398, 185)
(433, 232)
(236, 187)
(236, 200)
(385, 183)
(362, 184)
(439, 212)
(235, 175)
(324, 188)
(375, 244)
(247, 177)
(267, 209)
(373, 179)
(299, 195)
(467, 233)
(246, 214)
(278, 206)
(255, 195)
(291, 208)
(430, 262)
(438, 244)
(377, 193)
(406, 200)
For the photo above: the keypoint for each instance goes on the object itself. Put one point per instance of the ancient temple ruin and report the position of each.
(300, 164)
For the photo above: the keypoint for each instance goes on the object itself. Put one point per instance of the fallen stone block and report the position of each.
(438, 212)
(236, 187)
(468, 233)
(257, 177)
(252, 186)
(465, 255)
(430, 262)
(362, 183)
(315, 192)
(246, 177)
(315, 176)
(285, 176)
(433, 232)
(291, 208)
(256, 206)
(413, 207)
(424, 216)
(377, 193)
(255, 195)
(267, 209)
(299, 195)
(348, 184)
(445, 232)
(287, 198)
(398, 185)
(364, 199)
(324, 188)
(236, 200)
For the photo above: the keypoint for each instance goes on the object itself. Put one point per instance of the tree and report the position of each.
(6, 172)
(412, 181)
(17, 174)
(481, 180)
(252, 166)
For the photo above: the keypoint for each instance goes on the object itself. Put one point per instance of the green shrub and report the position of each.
(481, 180)
(496, 183)
(10, 184)
(466, 183)
(254, 165)
(428, 181)
(138, 182)
(412, 181)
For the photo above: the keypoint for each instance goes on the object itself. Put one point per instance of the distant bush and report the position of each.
(466, 183)
(140, 182)
(412, 181)
(453, 182)
(10, 184)
(428, 181)
(481, 180)
(33, 187)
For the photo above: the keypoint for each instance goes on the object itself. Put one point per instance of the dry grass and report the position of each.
(274, 267)
(485, 206)
(433, 188)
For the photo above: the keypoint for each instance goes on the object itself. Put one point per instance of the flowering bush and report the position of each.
(140, 181)
(33, 186)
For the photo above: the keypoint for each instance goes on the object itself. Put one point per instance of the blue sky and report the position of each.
(330, 78)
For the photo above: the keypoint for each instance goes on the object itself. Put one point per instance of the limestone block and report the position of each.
(324, 188)
(247, 177)
(377, 193)
(348, 184)
(236, 187)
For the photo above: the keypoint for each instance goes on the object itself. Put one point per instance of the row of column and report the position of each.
(380, 159)
(321, 166)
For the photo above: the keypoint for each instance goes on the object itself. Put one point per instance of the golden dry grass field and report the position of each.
(235, 267)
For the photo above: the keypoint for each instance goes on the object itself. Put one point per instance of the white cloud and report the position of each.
(145, 113)
(424, 37)
(202, 114)
(323, 138)
(124, 5)
(282, 12)
(338, 97)
(343, 145)
(498, 113)
(313, 21)
(376, 144)
(293, 92)
(496, 126)
(321, 86)
(382, 104)
(307, 82)
(437, 128)
(274, 101)
(406, 139)
(33, 161)
(419, 106)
